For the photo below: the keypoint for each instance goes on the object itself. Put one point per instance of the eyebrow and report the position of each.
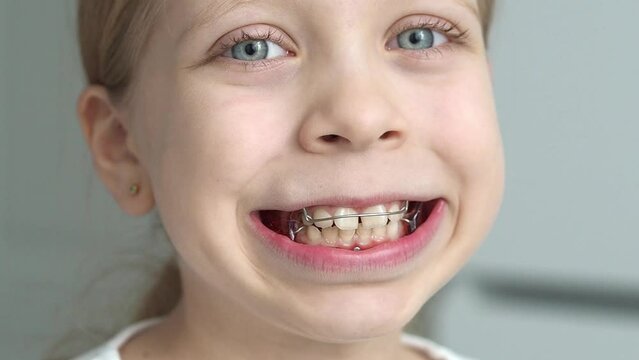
(215, 10)
(221, 8)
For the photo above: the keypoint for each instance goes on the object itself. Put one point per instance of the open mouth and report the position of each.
(349, 228)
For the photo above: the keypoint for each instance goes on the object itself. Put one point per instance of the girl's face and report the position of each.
(346, 103)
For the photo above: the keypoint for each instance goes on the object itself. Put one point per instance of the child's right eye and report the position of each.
(253, 50)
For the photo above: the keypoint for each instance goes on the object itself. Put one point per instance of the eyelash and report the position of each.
(452, 31)
(258, 36)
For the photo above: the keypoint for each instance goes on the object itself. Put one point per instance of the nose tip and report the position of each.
(355, 117)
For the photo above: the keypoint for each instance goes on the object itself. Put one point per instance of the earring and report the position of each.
(134, 189)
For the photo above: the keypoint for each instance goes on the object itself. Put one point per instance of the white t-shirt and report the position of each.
(109, 350)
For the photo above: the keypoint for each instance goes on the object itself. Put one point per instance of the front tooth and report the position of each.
(392, 230)
(314, 235)
(330, 235)
(320, 213)
(346, 237)
(370, 222)
(348, 223)
(395, 207)
(364, 235)
(379, 234)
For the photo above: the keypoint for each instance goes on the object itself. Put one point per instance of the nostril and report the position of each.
(390, 135)
(332, 138)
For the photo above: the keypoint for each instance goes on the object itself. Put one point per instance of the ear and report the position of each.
(113, 151)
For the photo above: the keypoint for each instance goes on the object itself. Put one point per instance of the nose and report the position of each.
(352, 113)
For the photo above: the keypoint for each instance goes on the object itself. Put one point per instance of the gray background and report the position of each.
(557, 278)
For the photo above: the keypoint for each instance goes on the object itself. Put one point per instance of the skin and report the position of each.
(211, 143)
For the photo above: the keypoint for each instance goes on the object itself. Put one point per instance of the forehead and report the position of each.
(192, 14)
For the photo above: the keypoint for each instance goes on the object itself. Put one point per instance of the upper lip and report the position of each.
(355, 202)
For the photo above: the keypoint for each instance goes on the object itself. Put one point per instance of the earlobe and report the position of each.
(114, 158)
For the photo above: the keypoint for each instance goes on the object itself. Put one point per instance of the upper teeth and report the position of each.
(320, 213)
(346, 218)
(347, 223)
(370, 222)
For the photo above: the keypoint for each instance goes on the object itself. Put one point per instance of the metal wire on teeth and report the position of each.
(308, 219)
(297, 225)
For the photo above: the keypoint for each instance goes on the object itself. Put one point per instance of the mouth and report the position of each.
(349, 228)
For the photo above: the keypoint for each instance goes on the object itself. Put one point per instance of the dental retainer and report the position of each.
(411, 214)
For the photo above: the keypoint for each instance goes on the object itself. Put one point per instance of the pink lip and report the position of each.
(353, 202)
(327, 260)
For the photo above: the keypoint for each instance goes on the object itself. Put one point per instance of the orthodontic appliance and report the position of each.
(411, 214)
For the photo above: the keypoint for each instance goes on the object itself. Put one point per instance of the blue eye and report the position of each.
(419, 39)
(255, 50)
(416, 39)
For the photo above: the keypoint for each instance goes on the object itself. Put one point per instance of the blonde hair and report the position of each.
(112, 35)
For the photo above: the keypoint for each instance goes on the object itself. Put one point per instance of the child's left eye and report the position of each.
(419, 39)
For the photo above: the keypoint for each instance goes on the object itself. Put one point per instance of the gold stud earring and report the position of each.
(134, 189)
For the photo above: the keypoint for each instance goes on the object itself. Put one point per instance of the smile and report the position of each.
(332, 257)
(349, 228)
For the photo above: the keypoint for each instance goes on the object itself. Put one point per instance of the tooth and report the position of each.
(305, 221)
(314, 235)
(364, 235)
(330, 235)
(370, 222)
(392, 230)
(346, 237)
(320, 213)
(349, 223)
(395, 207)
(379, 234)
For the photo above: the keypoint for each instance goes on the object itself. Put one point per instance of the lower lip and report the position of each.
(386, 256)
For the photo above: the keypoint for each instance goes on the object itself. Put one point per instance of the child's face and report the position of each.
(342, 113)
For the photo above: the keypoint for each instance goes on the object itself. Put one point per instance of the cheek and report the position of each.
(463, 130)
(457, 124)
(210, 142)
(203, 134)
(224, 137)
(467, 139)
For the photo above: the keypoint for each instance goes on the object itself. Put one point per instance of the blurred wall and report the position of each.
(557, 278)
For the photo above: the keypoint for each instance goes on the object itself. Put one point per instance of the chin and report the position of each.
(357, 328)
(358, 320)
